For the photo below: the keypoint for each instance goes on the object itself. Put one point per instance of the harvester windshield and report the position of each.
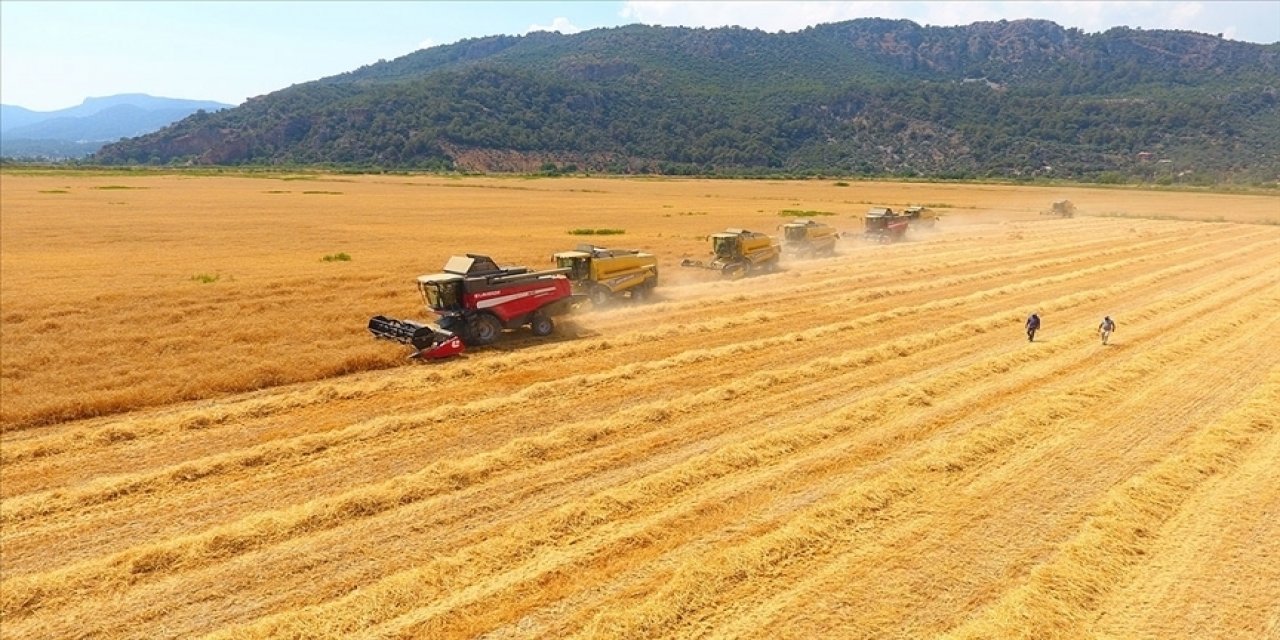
(579, 266)
(725, 246)
(796, 233)
(441, 292)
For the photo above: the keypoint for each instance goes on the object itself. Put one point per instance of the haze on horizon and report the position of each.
(53, 55)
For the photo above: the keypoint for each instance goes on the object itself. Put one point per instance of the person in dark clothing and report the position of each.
(1033, 325)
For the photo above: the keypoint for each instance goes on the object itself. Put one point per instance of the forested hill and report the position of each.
(878, 97)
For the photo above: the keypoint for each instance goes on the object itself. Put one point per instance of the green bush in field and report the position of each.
(597, 232)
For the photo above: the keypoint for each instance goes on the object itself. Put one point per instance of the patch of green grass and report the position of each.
(938, 205)
(597, 232)
(842, 184)
(277, 191)
(109, 187)
(323, 193)
(337, 257)
(54, 191)
(204, 278)
(804, 213)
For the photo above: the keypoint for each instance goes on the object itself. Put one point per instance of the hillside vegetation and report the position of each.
(1021, 99)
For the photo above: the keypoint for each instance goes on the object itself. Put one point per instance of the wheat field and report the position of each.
(198, 438)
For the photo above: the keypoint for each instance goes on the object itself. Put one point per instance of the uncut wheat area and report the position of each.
(201, 439)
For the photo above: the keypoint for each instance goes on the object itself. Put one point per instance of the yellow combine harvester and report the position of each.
(604, 274)
(808, 238)
(921, 217)
(739, 252)
(1061, 209)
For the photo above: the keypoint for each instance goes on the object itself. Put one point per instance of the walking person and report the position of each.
(1106, 328)
(1033, 325)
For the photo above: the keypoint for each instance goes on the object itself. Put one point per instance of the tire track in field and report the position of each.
(1061, 598)
(819, 529)
(1013, 319)
(949, 519)
(736, 350)
(583, 515)
(428, 511)
(130, 435)
(331, 393)
(219, 542)
(822, 474)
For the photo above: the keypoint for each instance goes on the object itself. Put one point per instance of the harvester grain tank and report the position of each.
(884, 226)
(475, 300)
(921, 217)
(738, 252)
(605, 274)
(808, 238)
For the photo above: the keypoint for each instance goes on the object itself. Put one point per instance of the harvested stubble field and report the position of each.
(199, 437)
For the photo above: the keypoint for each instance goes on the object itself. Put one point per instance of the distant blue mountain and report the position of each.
(80, 130)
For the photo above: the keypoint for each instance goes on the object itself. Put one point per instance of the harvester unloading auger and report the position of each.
(475, 300)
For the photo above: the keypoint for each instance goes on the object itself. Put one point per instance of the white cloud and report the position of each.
(559, 24)
(427, 44)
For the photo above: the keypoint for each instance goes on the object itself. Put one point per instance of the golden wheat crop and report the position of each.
(199, 438)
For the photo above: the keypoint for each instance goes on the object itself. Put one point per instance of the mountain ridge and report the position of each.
(872, 96)
(82, 129)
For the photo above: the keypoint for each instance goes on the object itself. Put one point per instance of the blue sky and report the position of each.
(53, 54)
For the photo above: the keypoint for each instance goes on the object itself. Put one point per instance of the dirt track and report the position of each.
(860, 446)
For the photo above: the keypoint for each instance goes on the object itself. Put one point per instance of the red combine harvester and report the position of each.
(475, 300)
(885, 226)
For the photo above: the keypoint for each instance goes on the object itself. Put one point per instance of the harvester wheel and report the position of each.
(640, 293)
(541, 324)
(484, 329)
(734, 271)
(600, 295)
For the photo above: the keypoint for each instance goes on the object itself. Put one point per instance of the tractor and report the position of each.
(807, 239)
(475, 300)
(606, 274)
(738, 252)
(884, 226)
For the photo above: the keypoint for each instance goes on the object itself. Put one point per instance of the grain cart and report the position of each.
(474, 300)
(1061, 209)
(738, 252)
(920, 217)
(807, 238)
(604, 274)
(884, 226)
